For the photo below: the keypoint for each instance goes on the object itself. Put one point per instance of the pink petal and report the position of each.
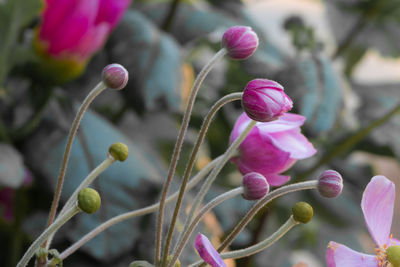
(377, 205)
(207, 251)
(277, 180)
(294, 142)
(287, 121)
(92, 41)
(111, 11)
(338, 255)
(240, 124)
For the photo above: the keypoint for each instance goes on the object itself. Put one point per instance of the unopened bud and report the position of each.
(255, 186)
(240, 42)
(89, 200)
(330, 184)
(264, 100)
(393, 255)
(119, 151)
(115, 76)
(302, 212)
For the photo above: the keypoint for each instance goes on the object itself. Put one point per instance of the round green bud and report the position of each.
(177, 263)
(302, 212)
(140, 264)
(393, 255)
(89, 200)
(119, 151)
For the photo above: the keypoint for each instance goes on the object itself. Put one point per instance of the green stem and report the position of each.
(135, 213)
(203, 130)
(178, 145)
(75, 124)
(49, 231)
(349, 142)
(210, 205)
(170, 16)
(241, 253)
(210, 179)
(86, 182)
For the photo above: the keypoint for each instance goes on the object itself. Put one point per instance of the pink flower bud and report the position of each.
(115, 76)
(330, 184)
(255, 186)
(207, 252)
(240, 41)
(264, 100)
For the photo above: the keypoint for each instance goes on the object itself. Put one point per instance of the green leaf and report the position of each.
(14, 15)
(152, 59)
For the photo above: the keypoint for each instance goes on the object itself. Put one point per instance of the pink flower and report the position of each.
(240, 41)
(76, 29)
(264, 100)
(271, 147)
(207, 252)
(377, 205)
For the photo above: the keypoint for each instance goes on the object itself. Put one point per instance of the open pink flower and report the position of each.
(271, 147)
(377, 205)
(207, 252)
(77, 28)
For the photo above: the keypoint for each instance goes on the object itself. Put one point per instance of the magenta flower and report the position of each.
(271, 147)
(377, 205)
(240, 42)
(264, 100)
(207, 252)
(255, 186)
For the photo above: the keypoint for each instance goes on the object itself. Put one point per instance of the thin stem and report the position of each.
(75, 124)
(210, 205)
(50, 230)
(203, 130)
(175, 156)
(350, 141)
(87, 181)
(241, 253)
(261, 203)
(135, 213)
(170, 16)
(210, 179)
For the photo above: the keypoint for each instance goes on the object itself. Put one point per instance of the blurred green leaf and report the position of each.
(152, 59)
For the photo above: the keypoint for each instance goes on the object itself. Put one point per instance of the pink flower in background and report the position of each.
(207, 252)
(377, 205)
(77, 28)
(271, 147)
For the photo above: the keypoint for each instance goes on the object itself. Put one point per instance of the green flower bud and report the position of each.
(140, 264)
(89, 200)
(119, 151)
(393, 255)
(302, 212)
(177, 263)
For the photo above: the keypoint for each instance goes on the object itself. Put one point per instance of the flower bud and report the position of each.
(89, 200)
(264, 100)
(330, 184)
(115, 76)
(119, 151)
(302, 212)
(240, 41)
(393, 255)
(255, 186)
(140, 264)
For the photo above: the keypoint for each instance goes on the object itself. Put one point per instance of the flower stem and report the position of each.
(261, 203)
(211, 177)
(87, 181)
(203, 130)
(175, 156)
(135, 213)
(241, 253)
(216, 201)
(75, 124)
(49, 231)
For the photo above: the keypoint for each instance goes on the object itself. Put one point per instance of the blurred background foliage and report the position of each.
(353, 123)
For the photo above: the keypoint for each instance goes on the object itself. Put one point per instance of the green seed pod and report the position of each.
(89, 200)
(393, 255)
(177, 263)
(119, 151)
(302, 212)
(140, 264)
